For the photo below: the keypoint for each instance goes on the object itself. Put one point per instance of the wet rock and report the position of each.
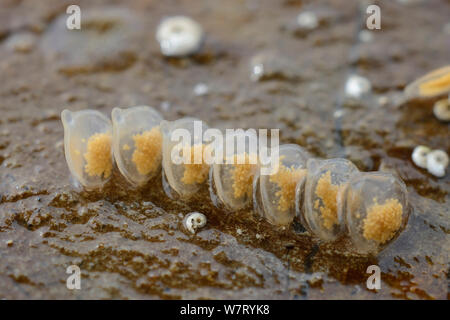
(22, 42)
(109, 40)
(271, 65)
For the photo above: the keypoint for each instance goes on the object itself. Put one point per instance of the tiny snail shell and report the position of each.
(324, 180)
(184, 168)
(88, 147)
(437, 162)
(194, 221)
(137, 143)
(179, 36)
(419, 156)
(441, 109)
(374, 208)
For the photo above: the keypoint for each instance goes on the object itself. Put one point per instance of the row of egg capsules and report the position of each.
(330, 197)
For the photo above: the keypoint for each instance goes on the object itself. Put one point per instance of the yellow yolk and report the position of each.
(98, 155)
(327, 192)
(383, 221)
(242, 174)
(286, 179)
(435, 86)
(147, 153)
(193, 172)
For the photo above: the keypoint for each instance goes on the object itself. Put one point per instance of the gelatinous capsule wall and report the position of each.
(331, 198)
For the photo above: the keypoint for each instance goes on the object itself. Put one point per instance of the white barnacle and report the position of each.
(419, 156)
(441, 109)
(437, 162)
(179, 36)
(357, 86)
(194, 221)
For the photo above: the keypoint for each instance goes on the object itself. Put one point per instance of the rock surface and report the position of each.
(130, 243)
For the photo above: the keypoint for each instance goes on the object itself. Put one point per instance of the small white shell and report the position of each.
(137, 142)
(88, 147)
(194, 221)
(375, 209)
(180, 140)
(275, 197)
(325, 180)
(441, 109)
(179, 36)
(437, 162)
(419, 156)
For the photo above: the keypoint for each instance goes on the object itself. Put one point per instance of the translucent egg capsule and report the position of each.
(275, 197)
(137, 142)
(432, 84)
(375, 210)
(184, 166)
(231, 181)
(325, 179)
(87, 146)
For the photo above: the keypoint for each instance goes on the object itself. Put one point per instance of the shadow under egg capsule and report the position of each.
(88, 147)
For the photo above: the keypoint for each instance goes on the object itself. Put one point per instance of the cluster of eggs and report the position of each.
(330, 197)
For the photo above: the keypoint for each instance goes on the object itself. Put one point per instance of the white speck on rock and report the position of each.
(165, 106)
(365, 36)
(338, 114)
(201, 89)
(257, 72)
(308, 20)
(357, 86)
